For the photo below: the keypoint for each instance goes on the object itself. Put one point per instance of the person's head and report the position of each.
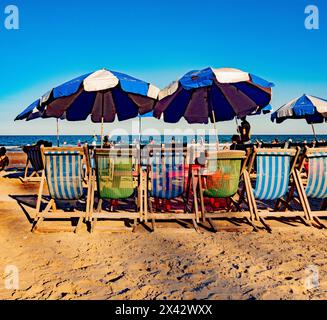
(150, 139)
(172, 138)
(118, 139)
(235, 139)
(106, 139)
(3, 151)
(243, 119)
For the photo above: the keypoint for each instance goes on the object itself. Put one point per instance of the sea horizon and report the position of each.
(17, 141)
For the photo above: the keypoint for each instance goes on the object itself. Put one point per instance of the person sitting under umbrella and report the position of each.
(106, 143)
(244, 130)
(235, 142)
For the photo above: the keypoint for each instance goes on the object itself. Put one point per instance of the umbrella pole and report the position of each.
(58, 132)
(314, 131)
(215, 126)
(102, 120)
(236, 124)
(140, 130)
(102, 129)
(140, 136)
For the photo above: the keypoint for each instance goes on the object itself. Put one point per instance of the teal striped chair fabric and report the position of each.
(63, 170)
(273, 174)
(167, 175)
(317, 176)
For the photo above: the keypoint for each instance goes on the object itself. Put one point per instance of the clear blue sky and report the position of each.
(159, 41)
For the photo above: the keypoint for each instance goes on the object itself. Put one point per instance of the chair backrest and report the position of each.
(114, 173)
(167, 172)
(63, 171)
(302, 145)
(34, 156)
(242, 147)
(274, 167)
(273, 145)
(223, 170)
(317, 174)
(321, 144)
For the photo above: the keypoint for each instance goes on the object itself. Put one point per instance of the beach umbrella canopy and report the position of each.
(105, 95)
(213, 94)
(310, 108)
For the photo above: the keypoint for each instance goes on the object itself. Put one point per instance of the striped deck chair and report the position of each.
(314, 187)
(275, 169)
(166, 182)
(34, 159)
(221, 179)
(117, 179)
(63, 175)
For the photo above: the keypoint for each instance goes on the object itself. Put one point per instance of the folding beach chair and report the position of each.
(34, 159)
(63, 175)
(167, 180)
(220, 179)
(117, 181)
(314, 185)
(275, 169)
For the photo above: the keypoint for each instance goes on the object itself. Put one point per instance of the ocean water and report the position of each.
(16, 142)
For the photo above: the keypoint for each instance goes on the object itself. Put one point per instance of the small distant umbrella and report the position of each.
(213, 94)
(103, 94)
(310, 108)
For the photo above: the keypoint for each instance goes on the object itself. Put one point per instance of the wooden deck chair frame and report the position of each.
(234, 210)
(313, 214)
(97, 213)
(51, 212)
(188, 214)
(276, 212)
(35, 175)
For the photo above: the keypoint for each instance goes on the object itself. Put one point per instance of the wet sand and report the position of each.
(235, 263)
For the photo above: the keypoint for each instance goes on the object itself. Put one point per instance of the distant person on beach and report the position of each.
(275, 141)
(94, 141)
(79, 144)
(4, 160)
(151, 140)
(235, 142)
(245, 131)
(119, 140)
(106, 143)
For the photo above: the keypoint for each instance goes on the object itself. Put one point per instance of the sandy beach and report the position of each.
(172, 263)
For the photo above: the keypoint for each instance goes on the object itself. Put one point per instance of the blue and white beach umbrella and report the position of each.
(105, 95)
(310, 108)
(215, 95)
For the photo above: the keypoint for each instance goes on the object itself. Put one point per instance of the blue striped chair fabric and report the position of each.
(317, 176)
(63, 171)
(273, 173)
(167, 175)
(35, 158)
